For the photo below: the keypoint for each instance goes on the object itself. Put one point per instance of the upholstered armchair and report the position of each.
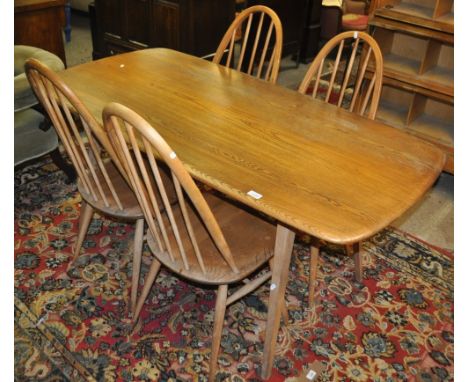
(34, 136)
(24, 96)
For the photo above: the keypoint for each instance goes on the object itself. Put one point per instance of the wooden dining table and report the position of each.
(313, 167)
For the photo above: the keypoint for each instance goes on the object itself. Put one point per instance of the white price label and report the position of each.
(254, 194)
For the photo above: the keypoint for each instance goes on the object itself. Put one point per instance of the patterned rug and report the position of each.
(71, 319)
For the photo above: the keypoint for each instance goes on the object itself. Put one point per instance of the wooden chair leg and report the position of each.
(86, 215)
(137, 249)
(153, 272)
(314, 254)
(284, 308)
(355, 251)
(220, 310)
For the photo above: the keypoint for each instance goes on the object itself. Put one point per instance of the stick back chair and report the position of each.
(363, 99)
(348, 75)
(203, 237)
(100, 183)
(261, 43)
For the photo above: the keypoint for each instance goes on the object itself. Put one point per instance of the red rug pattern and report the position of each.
(395, 326)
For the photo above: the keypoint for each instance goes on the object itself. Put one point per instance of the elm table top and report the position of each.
(322, 170)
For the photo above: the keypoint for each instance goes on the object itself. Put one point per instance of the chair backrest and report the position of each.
(130, 134)
(82, 137)
(261, 43)
(346, 83)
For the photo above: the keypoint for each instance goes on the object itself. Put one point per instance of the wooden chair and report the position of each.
(363, 98)
(261, 43)
(203, 237)
(102, 187)
(365, 54)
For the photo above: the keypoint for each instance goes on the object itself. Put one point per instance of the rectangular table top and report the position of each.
(319, 169)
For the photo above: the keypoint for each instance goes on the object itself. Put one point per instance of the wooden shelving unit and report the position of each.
(416, 39)
(431, 14)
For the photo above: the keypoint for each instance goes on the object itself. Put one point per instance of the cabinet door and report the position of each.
(209, 20)
(166, 24)
(292, 16)
(109, 15)
(138, 21)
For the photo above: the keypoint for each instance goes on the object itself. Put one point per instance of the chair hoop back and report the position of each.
(262, 38)
(79, 132)
(369, 62)
(130, 134)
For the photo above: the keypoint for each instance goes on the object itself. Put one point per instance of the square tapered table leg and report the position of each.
(283, 250)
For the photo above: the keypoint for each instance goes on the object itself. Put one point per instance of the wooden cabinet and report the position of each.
(416, 39)
(39, 23)
(292, 15)
(190, 26)
(310, 36)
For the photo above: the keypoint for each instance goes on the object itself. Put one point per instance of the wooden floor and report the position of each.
(430, 220)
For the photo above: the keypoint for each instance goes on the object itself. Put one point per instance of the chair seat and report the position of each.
(30, 141)
(353, 21)
(250, 237)
(131, 208)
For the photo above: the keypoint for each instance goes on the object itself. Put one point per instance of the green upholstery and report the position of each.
(24, 96)
(30, 141)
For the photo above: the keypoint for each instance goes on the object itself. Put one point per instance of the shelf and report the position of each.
(426, 117)
(411, 29)
(412, 9)
(433, 14)
(400, 64)
(443, 9)
(391, 114)
(401, 44)
(434, 129)
(446, 19)
(416, 40)
(394, 106)
(420, 61)
(417, 89)
(438, 78)
(406, 108)
(431, 118)
(443, 76)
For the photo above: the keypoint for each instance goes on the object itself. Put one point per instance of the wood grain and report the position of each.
(330, 173)
(39, 23)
